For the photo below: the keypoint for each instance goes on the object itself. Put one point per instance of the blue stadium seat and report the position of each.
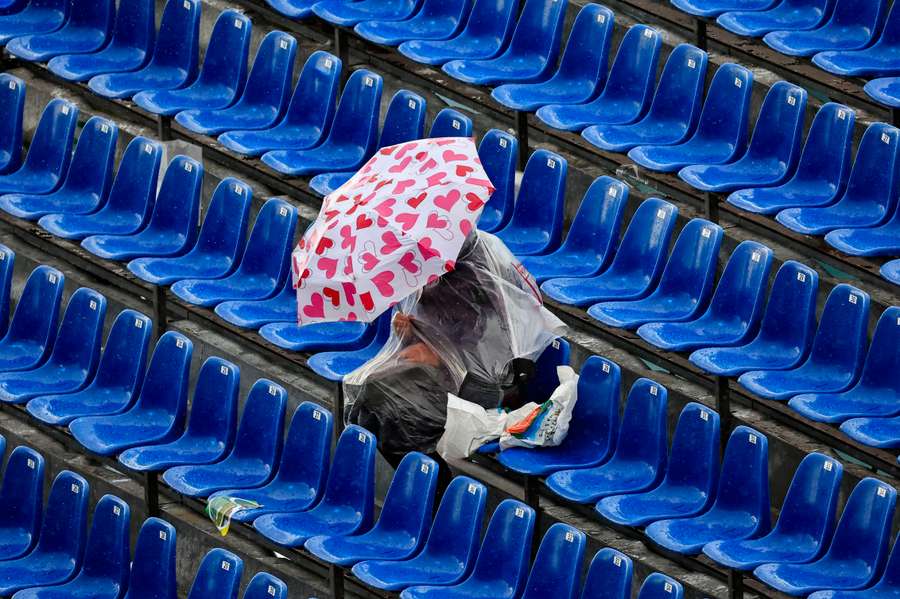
(347, 505)
(118, 377)
(531, 54)
(7, 264)
(218, 576)
(581, 73)
(174, 60)
(684, 287)
(317, 336)
(485, 35)
(673, 113)
(404, 121)
(885, 90)
(590, 244)
(787, 15)
(307, 118)
(498, 152)
(689, 486)
(660, 586)
(219, 243)
(12, 99)
(334, 365)
(436, 20)
(22, 492)
(128, 203)
(628, 90)
(348, 14)
(876, 59)
(875, 394)
(280, 309)
(153, 569)
(871, 190)
(402, 525)
(875, 432)
(545, 379)
(557, 565)
(593, 431)
(87, 183)
(837, 353)
(450, 123)
(773, 152)
(785, 333)
(821, 174)
(535, 226)
(157, 416)
(885, 587)
(210, 430)
(721, 133)
(857, 551)
(256, 451)
(73, 360)
(222, 76)
(86, 30)
(805, 522)
(639, 460)
(60, 545)
(609, 576)
(450, 550)
(293, 9)
(874, 241)
(38, 16)
(265, 586)
(298, 484)
(107, 556)
(713, 8)
(172, 226)
(502, 563)
(263, 265)
(49, 152)
(129, 48)
(636, 267)
(264, 99)
(741, 508)
(32, 329)
(734, 311)
(891, 271)
(851, 26)
(351, 140)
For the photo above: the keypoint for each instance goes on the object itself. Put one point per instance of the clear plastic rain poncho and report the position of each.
(458, 335)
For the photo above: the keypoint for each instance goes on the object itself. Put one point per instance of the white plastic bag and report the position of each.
(548, 424)
(469, 426)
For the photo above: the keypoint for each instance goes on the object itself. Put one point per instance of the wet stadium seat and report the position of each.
(86, 30)
(7, 264)
(660, 586)
(12, 100)
(22, 492)
(713, 8)
(265, 586)
(348, 14)
(556, 571)
(450, 123)
(851, 26)
(498, 152)
(49, 153)
(884, 90)
(787, 15)
(32, 329)
(876, 59)
(279, 309)
(874, 241)
(608, 576)
(435, 20)
(293, 9)
(334, 365)
(885, 587)
(153, 569)
(218, 576)
(317, 336)
(38, 16)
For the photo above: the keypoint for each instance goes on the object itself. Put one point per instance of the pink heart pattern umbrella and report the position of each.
(395, 226)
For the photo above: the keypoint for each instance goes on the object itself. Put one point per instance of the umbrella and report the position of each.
(395, 226)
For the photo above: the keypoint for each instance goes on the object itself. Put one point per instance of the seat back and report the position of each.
(225, 59)
(498, 151)
(891, 576)
(166, 384)
(108, 551)
(177, 206)
(351, 481)
(890, 35)
(22, 492)
(691, 267)
(218, 576)
(873, 179)
(153, 568)
(265, 586)
(790, 315)
(694, 458)
(356, 119)
(540, 202)
(744, 480)
(269, 245)
(134, 188)
(404, 120)
(7, 264)
(215, 402)
(840, 340)
(660, 586)
(224, 227)
(539, 32)
(135, 26)
(679, 95)
(92, 162)
(270, 79)
(125, 354)
(779, 125)
(595, 417)
(882, 360)
(259, 434)
(490, 22)
(557, 565)
(312, 104)
(646, 240)
(64, 524)
(545, 380)
(742, 288)
(96, 14)
(609, 576)
(409, 503)
(586, 55)
(178, 39)
(80, 332)
(596, 225)
(867, 515)
(811, 500)
(633, 72)
(726, 110)
(309, 435)
(506, 546)
(642, 431)
(37, 311)
(451, 123)
(12, 101)
(50, 150)
(457, 523)
(826, 155)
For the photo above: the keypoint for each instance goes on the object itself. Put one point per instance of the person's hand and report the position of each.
(402, 325)
(421, 353)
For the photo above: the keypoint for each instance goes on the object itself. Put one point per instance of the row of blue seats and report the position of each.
(45, 552)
